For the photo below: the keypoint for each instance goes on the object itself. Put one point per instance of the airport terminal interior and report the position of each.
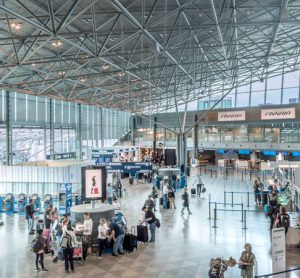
(150, 138)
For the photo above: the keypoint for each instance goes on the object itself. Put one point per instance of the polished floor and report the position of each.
(184, 244)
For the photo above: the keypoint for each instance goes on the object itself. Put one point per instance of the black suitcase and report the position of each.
(193, 191)
(168, 204)
(130, 242)
(161, 201)
(131, 180)
(142, 233)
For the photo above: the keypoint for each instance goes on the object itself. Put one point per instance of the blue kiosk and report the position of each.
(9, 203)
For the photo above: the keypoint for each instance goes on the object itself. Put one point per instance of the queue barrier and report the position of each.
(277, 273)
(246, 192)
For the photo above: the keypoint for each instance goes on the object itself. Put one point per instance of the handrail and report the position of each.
(275, 273)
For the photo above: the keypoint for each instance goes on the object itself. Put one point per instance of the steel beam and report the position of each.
(8, 129)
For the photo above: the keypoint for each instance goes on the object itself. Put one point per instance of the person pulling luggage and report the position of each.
(185, 198)
(151, 220)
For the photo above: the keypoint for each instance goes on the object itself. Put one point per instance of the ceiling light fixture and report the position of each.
(57, 44)
(61, 73)
(16, 26)
(105, 67)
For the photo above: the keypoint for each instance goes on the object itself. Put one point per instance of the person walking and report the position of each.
(39, 247)
(102, 235)
(151, 220)
(256, 188)
(247, 261)
(87, 235)
(149, 202)
(171, 196)
(47, 217)
(29, 210)
(165, 194)
(174, 178)
(154, 195)
(185, 198)
(68, 249)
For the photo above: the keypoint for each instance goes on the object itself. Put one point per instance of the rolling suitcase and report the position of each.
(40, 225)
(142, 233)
(193, 191)
(130, 241)
(161, 201)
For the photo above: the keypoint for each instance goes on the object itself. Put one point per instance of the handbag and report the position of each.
(242, 266)
(203, 190)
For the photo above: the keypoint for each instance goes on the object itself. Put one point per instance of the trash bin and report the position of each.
(265, 197)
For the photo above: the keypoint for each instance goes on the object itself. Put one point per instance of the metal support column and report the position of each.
(51, 114)
(181, 150)
(101, 128)
(195, 137)
(132, 130)
(45, 142)
(154, 134)
(9, 153)
(79, 133)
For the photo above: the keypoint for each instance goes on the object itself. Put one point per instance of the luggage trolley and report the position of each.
(78, 249)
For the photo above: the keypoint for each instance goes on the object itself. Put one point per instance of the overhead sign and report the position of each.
(60, 156)
(128, 167)
(230, 116)
(278, 251)
(278, 113)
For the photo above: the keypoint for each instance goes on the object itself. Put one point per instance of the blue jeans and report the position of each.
(30, 224)
(165, 200)
(152, 231)
(109, 200)
(118, 244)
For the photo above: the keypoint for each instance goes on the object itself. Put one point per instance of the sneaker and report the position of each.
(37, 269)
(45, 269)
(67, 271)
(100, 257)
(121, 253)
(115, 255)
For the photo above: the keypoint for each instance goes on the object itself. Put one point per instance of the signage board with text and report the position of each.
(278, 113)
(231, 116)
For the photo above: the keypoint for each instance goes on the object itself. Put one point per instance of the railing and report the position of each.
(295, 270)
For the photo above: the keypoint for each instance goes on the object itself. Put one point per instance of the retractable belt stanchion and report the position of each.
(232, 199)
(215, 217)
(225, 198)
(245, 220)
(248, 197)
(209, 213)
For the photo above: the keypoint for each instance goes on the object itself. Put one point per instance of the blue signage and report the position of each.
(65, 198)
(128, 167)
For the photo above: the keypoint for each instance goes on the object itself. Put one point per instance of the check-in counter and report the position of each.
(293, 234)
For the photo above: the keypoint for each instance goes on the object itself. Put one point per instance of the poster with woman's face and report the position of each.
(93, 183)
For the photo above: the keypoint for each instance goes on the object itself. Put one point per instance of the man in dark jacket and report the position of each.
(185, 198)
(29, 210)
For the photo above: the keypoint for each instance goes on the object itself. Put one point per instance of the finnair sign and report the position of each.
(277, 114)
(231, 116)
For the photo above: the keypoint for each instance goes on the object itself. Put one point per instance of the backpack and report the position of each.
(157, 222)
(66, 241)
(36, 245)
(284, 221)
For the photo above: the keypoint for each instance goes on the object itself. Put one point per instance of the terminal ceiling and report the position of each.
(144, 56)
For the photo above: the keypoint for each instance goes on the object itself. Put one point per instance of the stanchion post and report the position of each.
(242, 176)
(209, 213)
(245, 220)
(248, 197)
(215, 217)
(232, 198)
(225, 198)
(242, 212)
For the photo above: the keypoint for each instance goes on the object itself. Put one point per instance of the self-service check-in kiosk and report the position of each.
(36, 202)
(21, 203)
(9, 203)
(1, 204)
(48, 200)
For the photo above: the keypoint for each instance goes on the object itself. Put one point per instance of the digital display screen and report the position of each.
(221, 151)
(93, 182)
(230, 151)
(244, 152)
(269, 153)
(296, 153)
(284, 153)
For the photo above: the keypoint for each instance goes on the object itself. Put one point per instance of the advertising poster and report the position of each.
(93, 183)
(278, 251)
(68, 197)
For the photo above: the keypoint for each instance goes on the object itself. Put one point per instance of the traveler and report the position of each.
(39, 247)
(273, 213)
(151, 220)
(257, 196)
(109, 193)
(199, 185)
(165, 194)
(67, 244)
(171, 196)
(185, 198)
(102, 235)
(218, 266)
(174, 182)
(29, 210)
(47, 217)
(149, 202)
(247, 261)
(283, 219)
(117, 234)
(154, 195)
(87, 235)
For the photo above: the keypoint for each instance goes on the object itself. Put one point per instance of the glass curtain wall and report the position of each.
(30, 123)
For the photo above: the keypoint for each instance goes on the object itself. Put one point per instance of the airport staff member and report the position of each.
(87, 235)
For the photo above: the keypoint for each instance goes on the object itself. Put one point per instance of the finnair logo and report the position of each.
(273, 114)
(231, 116)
